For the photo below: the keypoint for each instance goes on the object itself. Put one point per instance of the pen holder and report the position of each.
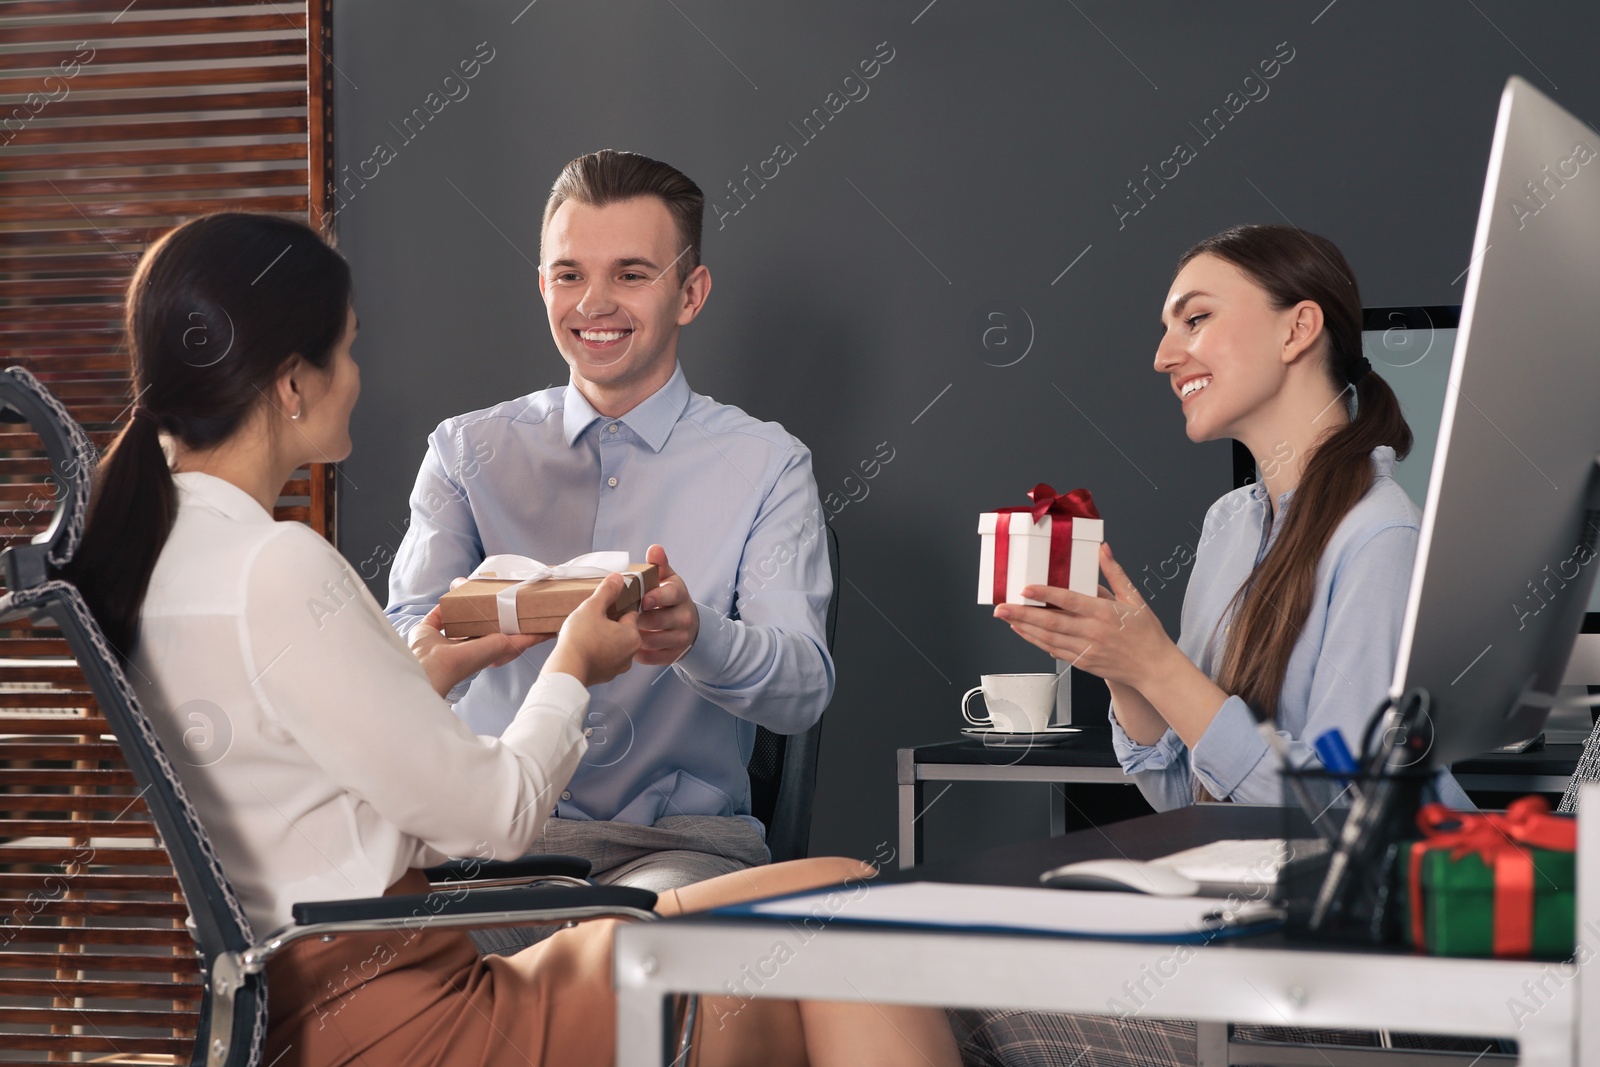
(1364, 902)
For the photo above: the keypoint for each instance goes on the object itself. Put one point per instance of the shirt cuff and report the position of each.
(1136, 757)
(1230, 750)
(561, 688)
(712, 648)
(547, 733)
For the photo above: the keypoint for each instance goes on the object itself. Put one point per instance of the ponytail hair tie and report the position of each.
(1363, 365)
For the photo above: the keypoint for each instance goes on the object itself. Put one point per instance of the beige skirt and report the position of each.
(425, 998)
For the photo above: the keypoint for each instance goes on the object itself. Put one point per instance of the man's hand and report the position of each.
(450, 661)
(669, 622)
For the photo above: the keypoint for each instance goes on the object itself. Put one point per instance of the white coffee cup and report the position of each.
(1017, 703)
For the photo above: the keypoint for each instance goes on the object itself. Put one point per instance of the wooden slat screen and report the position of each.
(117, 121)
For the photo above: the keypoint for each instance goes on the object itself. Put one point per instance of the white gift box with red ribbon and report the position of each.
(1056, 548)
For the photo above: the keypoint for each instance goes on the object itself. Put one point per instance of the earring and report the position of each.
(296, 415)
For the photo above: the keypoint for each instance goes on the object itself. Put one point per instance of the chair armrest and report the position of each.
(450, 908)
(528, 902)
(473, 870)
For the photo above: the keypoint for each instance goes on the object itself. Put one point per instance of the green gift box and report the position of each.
(1458, 901)
(1494, 885)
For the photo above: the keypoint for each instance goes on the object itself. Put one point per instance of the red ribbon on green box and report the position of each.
(1502, 842)
(1062, 509)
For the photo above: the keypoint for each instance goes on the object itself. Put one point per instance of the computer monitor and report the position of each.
(1502, 576)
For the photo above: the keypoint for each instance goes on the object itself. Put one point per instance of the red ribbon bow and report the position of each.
(1062, 509)
(1502, 842)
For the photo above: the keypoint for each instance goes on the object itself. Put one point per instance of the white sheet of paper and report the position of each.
(1041, 910)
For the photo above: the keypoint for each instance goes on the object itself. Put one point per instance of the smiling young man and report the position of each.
(627, 457)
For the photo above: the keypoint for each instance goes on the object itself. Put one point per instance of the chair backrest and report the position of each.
(783, 769)
(72, 460)
(218, 920)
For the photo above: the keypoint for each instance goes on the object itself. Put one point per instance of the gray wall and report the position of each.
(854, 290)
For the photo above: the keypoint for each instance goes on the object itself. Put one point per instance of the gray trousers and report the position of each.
(1003, 1038)
(676, 851)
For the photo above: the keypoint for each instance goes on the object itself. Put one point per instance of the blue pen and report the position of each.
(1335, 754)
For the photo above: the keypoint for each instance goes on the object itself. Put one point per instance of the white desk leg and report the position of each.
(1547, 1046)
(1586, 1008)
(641, 1011)
(1211, 1044)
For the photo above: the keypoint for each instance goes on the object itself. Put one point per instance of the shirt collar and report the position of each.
(652, 419)
(220, 495)
(1383, 467)
(1258, 493)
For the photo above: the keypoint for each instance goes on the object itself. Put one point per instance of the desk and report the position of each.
(1083, 759)
(1087, 759)
(1258, 980)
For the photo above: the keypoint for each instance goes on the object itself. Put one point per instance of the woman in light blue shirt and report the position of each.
(1294, 609)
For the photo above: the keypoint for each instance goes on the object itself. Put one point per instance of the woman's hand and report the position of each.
(451, 661)
(1114, 635)
(591, 647)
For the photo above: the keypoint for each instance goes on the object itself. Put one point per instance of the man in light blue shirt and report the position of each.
(627, 457)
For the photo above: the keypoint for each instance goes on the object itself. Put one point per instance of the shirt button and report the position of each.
(588, 731)
(612, 428)
(612, 482)
(566, 794)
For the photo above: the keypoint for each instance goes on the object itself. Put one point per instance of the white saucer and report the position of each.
(1050, 735)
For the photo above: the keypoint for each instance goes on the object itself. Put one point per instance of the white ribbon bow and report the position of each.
(524, 571)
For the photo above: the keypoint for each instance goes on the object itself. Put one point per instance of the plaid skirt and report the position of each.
(990, 1038)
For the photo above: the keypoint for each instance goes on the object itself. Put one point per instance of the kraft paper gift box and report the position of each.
(1055, 542)
(514, 594)
(1494, 885)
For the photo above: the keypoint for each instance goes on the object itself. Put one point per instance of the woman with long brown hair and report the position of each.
(344, 770)
(1293, 611)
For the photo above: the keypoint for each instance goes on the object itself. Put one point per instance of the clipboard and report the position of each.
(1018, 910)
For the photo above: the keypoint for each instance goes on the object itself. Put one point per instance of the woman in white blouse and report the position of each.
(316, 745)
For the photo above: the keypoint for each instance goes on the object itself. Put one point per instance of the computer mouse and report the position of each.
(1128, 876)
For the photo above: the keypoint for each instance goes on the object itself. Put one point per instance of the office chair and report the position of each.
(232, 1023)
(783, 769)
(1587, 769)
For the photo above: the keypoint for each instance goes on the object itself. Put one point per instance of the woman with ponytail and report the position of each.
(334, 768)
(1293, 612)
(208, 348)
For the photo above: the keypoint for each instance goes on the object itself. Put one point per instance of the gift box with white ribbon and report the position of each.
(511, 594)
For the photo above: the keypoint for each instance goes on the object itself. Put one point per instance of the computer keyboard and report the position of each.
(1252, 862)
